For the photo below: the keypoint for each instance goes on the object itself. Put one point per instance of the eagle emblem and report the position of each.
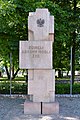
(40, 22)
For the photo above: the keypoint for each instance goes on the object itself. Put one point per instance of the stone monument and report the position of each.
(36, 56)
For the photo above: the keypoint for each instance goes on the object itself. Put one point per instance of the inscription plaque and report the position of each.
(35, 54)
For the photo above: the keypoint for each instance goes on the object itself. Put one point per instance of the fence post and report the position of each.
(10, 72)
(71, 73)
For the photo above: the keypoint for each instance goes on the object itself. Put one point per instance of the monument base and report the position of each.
(50, 108)
(35, 108)
(32, 108)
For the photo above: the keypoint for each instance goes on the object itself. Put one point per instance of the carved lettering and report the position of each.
(43, 51)
(36, 51)
(36, 47)
(35, 56)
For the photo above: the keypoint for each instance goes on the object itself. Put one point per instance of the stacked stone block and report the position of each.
(36, 56)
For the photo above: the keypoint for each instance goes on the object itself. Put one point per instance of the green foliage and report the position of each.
(14, 27)
(65, 88)
(62, 89)
(17, 88)
(21, 88)
(76, 88)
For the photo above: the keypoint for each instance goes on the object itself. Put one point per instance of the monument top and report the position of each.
(40, 24)
(38, 10)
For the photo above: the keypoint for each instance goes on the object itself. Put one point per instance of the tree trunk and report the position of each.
(15, 73)
(8, 75)
(59, 73)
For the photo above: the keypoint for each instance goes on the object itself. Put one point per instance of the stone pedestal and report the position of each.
(50, 108)
(32, 108)
(37, 108)
(36, 56)
(41, 84)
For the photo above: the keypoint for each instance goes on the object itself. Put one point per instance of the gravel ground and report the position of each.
(11, 108)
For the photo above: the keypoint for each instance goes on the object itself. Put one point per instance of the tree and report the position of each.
(72, 7)
(14, 27)
(8, 38)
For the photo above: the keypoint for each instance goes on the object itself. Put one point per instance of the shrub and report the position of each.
(65, 88)
(16, 88)
(62, 88)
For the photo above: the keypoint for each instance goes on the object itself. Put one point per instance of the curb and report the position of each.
(27, 96)
(68, 95)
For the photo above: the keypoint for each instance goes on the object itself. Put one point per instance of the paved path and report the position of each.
(11, 108)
